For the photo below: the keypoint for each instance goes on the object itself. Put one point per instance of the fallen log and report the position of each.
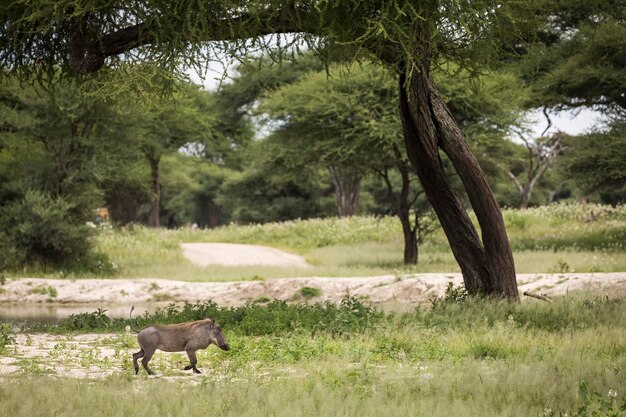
(538, 296)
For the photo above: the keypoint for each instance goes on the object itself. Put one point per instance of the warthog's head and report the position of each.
(216, 337)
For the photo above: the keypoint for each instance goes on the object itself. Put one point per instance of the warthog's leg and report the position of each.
(136, 357)
(147, 356)
(193, 360)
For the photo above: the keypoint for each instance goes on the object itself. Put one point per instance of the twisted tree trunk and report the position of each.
(428, 126)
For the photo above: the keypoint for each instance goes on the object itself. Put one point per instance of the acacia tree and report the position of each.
(336, 124)
(541, 154)
(409, 37)
(577, 60)
(348, 121)
(164, 127)
(56, 136)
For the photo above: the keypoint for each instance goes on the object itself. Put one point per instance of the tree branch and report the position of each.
(545, 113)
(89, 56)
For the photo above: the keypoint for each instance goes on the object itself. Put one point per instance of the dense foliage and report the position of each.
(453, 311)
(39, 231)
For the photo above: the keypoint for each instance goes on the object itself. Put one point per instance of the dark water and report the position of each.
(21, 313)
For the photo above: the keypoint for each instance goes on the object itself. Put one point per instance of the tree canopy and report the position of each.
(84, 36)
(578, 55)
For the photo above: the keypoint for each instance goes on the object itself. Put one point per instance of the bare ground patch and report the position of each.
(414, 289)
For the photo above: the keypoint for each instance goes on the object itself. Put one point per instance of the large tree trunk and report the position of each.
(499, 256)
(154, 216)
(427, 125)
(347, 184)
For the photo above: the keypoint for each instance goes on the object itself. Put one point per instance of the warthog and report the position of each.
(187, 337)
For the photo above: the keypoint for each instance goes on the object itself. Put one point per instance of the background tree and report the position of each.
(266, 191)
(191, 189)
(166, 126)
(53, 148)
(347, 123)
(596, 162)
(577, 60)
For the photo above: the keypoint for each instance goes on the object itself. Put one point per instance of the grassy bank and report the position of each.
(472, 358)
(557, 238)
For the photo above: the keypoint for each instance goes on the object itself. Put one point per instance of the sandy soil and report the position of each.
(379, 289)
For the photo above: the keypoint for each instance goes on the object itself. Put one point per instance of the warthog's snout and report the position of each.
(225, 346)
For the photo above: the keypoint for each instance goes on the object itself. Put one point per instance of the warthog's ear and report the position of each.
(210, 321)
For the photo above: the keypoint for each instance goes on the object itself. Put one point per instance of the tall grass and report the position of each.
(465, 389)
(577, 238)
(470, 358)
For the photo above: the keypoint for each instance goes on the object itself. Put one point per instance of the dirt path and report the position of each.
(234, 254)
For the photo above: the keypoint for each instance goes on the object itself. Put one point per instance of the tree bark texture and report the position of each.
(428, 126)
(498, 253)
(154, 216)
(347, 184)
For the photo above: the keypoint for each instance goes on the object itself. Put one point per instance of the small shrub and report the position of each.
(6, 336)
(452, 295)
(162, 296)
(484, 350)
(43, 290)
(562, 267)
(394, 347)
(96, 320)
(310, 292)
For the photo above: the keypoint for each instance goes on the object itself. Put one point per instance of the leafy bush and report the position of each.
(41, 232)
(252, 319)
(310, 292)
(96, 320)
(452, 295)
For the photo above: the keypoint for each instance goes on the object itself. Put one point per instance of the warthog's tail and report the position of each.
(130, 315)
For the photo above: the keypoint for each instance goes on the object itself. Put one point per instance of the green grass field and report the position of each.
(476, 358)
(558, 238)
(455, 358)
